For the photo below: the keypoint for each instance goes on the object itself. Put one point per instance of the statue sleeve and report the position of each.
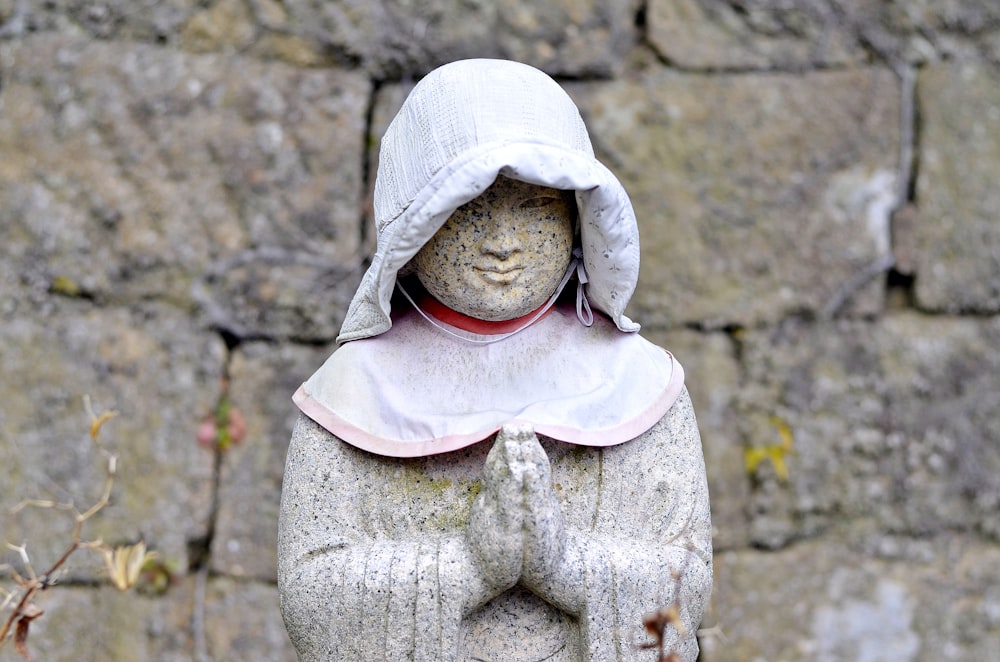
(651, 542)
(348, 593)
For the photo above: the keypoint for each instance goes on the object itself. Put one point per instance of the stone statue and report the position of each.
(494, 465)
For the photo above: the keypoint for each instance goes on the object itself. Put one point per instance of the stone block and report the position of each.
(775, 34)
(943, 412)
(707, 34)
(747, 216)
(263, 378)
(397, 39)
(890, 421)
(226, 25)
(88, 624)
(712, 375)
(141, 20)
(813, 397)
(822, 600)
(221, 619)
(132, 171)
(160, 373)
(242, 622)
(956, 241)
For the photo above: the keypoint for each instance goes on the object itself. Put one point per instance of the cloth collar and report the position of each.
(414, 391)
(453, 318)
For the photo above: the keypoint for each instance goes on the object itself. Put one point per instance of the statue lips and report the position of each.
(499, 274)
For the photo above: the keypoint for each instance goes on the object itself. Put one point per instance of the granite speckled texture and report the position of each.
(488, 263)
(531, 550)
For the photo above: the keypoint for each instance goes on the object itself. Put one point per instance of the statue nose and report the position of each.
(501, 240)
(502, 251)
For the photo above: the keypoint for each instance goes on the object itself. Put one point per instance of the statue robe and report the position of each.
(385, 462)
(372, 546)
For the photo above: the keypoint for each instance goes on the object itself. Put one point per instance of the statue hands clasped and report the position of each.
(495, 531)
(515, 530)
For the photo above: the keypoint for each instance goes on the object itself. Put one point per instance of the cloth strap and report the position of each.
(583, 311)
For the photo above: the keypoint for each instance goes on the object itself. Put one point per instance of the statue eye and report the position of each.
(539, 201)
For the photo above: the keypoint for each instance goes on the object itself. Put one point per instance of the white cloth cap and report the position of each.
(461, 126)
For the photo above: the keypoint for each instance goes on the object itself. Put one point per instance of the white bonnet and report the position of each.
(462, 125)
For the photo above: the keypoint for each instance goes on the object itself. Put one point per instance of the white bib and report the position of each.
(416, 390)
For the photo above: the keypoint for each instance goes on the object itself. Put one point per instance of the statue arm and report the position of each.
(649, 547)
(348, 593)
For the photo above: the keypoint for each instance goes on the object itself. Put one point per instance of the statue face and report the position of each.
(501, 255)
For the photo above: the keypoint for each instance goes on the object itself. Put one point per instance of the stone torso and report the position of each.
(368, 536)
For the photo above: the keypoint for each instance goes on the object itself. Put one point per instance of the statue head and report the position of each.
(502, 254)
(464, 128)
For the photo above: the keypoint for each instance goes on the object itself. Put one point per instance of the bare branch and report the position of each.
(40, 503)
(128, 559)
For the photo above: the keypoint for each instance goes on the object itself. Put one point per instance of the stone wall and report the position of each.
(184, 190)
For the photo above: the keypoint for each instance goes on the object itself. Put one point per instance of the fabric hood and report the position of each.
(464, 124)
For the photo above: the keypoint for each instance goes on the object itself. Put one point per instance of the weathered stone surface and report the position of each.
(418, 559)
(709, 34)
(943, 408)
(501, 224)
(219, 620)
(242, 622)
(223, 25)
(145, 20)
(926, 30)
(776, 34)
(823, 600)
(574, 36)
(395, 38)
(278, 294)
(263, 377)
(93, 624)
(886, 422)
(712, 376)
(152, 366)
(132, 171)
(957, 236)
(746, 216)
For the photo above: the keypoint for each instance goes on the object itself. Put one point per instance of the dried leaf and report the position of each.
(31, 611)
(125, 563)
(21, 638)
(657, 620)
(28, 613)
(96, 421)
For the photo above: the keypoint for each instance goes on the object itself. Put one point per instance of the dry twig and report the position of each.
(656, 622)
(122, 563)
